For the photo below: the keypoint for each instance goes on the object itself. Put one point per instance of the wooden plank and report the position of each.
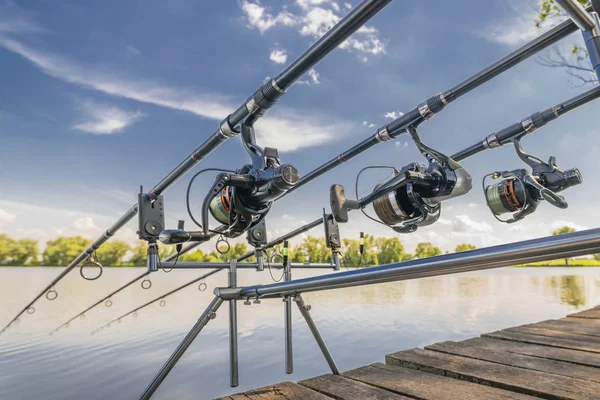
(280, 391)
(551, 353)
(520, 380)
(545, 340)
(581, 326)
(342, 388)
(556, 334)
(421, 385)
(518, 360)
(594, 313)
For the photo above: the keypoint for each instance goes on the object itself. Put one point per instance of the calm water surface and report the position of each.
(360, 325)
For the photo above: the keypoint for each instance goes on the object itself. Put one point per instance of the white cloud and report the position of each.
(307, 4)
(262, 20)
(393, 114)
(278, 56)
(520, 27)
(278, 128)
(6, 216)
(103, 119)
(313, 18)
(212, 107)
(402, 144)
(463, 223)
(314, 76)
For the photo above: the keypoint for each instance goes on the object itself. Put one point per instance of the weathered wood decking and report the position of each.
(556, 359)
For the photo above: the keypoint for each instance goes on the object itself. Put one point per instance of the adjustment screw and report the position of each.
(212, 315)
(256, 301)
(247, 302)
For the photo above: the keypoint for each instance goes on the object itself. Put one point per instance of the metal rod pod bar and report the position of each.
(546, 248)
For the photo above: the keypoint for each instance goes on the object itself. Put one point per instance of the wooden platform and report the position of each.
(555, 359)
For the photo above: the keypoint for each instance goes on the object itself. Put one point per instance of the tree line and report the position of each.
(62, 250)
(117, 253)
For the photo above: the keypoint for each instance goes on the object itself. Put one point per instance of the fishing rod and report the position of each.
(444, 178)
(262, 100)
(202, 287)
(161, 298)
(442, 170)
(243, 198)
(412, 197)
(240, 259)
(219, 200)
(107, 300)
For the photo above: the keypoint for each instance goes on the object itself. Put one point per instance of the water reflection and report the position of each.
(571, 289)
(360, 325)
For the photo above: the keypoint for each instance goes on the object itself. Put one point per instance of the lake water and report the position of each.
(360, 325)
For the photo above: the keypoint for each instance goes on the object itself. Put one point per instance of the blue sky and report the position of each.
(97, 98)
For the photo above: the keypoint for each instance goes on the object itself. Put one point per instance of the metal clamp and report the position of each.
(383, 134)
(491, 141)
(227, 130)
(425, 111)
(528, 125)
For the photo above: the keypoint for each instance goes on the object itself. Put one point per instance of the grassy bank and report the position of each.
(562, 263)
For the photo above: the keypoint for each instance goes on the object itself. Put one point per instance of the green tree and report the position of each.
(408, 257)
(560, 231)
(235, 251)
(111, 253)
(62, 250)
(6, 244)
(390, 250)
(24, 252)
(196, 256)
(139, 256)
(577, 63)
(315, 249)
(351, 251)
(426, 249)
(464, 247)
(297, 255)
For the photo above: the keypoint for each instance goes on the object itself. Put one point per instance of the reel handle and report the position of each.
(555, 199)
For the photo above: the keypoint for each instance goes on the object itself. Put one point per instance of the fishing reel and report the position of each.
(520, 192)
(412, 197)
(242, 199)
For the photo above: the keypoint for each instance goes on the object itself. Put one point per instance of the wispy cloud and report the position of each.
(278, 56)
(520, 27)
(278, 129)
(104, 119)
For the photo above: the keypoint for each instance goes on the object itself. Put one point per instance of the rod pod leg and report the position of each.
(207, 315)
(287, 301)
(233, 328)
(304, 310)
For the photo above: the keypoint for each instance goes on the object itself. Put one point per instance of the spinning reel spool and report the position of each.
(412, 196)
(519, 192)
(242, 200)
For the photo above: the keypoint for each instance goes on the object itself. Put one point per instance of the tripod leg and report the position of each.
(233, 331)
(304, 310)
(207, 315)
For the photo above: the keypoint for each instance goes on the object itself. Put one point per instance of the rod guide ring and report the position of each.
(146, 284)
(51, 294)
